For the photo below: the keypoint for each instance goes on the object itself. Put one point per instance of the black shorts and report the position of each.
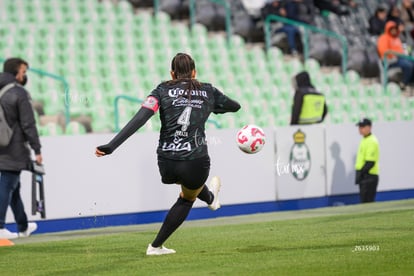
(192, 174)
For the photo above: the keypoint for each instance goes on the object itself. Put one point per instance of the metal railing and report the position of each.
(385, 63)
(116, 108)
(307, 28)
(226, 6)
(156, 7)
(57, 78)
(137, 100)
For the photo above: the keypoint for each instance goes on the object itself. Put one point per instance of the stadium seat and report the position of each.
(50, 129)
(75, 128)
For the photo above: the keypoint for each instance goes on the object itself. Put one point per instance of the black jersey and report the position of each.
(183, 116)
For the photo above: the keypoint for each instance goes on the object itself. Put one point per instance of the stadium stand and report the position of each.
(104, 49)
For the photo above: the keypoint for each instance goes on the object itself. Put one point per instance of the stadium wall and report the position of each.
(83, 191)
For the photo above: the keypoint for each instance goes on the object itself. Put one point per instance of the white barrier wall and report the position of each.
(396, 156)
(342, 143)
(79, 184)
(309, 165)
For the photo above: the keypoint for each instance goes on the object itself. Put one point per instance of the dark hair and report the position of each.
(182, 66)
(12, 65)
(380, 8)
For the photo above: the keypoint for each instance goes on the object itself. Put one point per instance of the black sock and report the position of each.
(205, 195)
(175, 217)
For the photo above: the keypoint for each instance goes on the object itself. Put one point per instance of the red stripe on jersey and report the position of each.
(151, 103)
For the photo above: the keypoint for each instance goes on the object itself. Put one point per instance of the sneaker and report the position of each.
(159, 250)
(6, 234)
(31, 227)
(214, 187)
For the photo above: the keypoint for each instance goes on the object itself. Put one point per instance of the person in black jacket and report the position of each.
(16, 156)
(185, 105)
(378, 20)
(309, 105)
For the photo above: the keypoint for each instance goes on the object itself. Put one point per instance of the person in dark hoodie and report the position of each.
(378, 20)
(16, 156)
(390, 41)
(309, 105)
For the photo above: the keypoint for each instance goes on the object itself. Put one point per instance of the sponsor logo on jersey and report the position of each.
(177, 92)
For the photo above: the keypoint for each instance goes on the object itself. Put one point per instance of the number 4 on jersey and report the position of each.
(184, 119)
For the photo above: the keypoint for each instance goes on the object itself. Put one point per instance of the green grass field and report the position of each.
(370, 239)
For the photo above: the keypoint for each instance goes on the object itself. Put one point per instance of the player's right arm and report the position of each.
(148, 108)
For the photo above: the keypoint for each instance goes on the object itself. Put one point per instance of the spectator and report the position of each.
(309, 106)
(306, 11)
(390, 41)
(288, 9)
(367, 162)
(407, 16)
(394, 14)
(335, 6)
(377, 21)
(15, 157)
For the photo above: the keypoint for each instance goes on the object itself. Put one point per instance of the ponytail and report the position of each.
(182, 67)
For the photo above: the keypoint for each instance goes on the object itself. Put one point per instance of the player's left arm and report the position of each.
(223, 103)
(148, 108)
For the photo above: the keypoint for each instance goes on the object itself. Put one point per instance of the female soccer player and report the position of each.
(184, 105)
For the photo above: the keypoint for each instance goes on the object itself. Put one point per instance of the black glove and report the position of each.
(105, 148)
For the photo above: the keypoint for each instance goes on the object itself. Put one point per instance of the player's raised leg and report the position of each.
(214, 186)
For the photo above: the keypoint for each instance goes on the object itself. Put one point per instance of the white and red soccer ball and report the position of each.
(251, 139)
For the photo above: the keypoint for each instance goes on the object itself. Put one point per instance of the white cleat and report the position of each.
(159, 250)
(6, 234)
(214, 187)
(31, 227)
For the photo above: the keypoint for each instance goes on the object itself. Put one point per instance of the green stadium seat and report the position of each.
(389, 116)
(397, 103)
(364, 104)
(410, 103)
(293, 67)
(312, 65)
(50, 129)
(393, 89)
(354, 115)
(337, 117)
(352, 76)
(334, 78)
(407, 115)
(275, 54)
(356, 91)
(75, 128)
(380, 103)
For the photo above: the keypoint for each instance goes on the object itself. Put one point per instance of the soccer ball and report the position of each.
(251, 139)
